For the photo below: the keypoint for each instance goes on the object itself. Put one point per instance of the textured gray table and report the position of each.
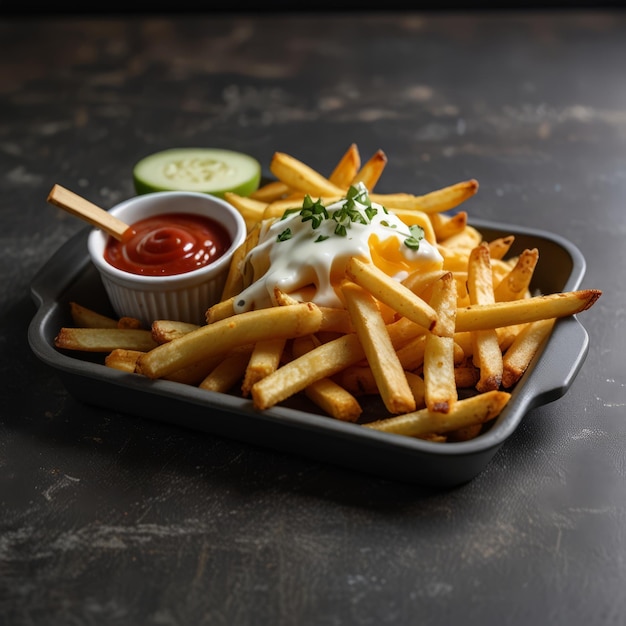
(109, 519)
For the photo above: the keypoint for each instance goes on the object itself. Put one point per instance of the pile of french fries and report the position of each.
(441, 349)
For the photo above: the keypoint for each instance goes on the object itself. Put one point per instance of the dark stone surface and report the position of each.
(109, 519)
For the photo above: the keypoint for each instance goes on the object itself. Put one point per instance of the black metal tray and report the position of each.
(300, 429)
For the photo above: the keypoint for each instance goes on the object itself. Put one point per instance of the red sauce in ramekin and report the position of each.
(168, 244)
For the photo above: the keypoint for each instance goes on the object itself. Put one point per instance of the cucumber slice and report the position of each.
(207, 170)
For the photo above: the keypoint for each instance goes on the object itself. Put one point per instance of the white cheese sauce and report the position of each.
(293, 254)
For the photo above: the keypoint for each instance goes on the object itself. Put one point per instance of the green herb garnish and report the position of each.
(417, 234)
(285, 235)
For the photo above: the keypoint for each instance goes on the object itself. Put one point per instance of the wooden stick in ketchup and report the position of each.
(80, 207)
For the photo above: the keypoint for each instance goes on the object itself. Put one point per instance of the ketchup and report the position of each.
(168, 244)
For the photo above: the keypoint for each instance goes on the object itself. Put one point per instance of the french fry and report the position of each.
(404, 330)
(516, 283)
(454, 259)
(371, 171)
(225, 335)
(129, 322)
(251, 210)
(331, 397)
(225, 375)
(499, 247)
(302, 177)
(464, 240)
(523, 349)
(418, 389)
(507, 335)
(126, 361)
(122, 359)
(391, 292)
(335, 320)
(103, 339)
(234, 283)
(87, 318)
(321, 362)
(446, 226)
(477, 409)
(487, 355)
(220, 310)
(436, 201)
(82, 317)
(196, 372)
(358, 380)
(485, 316)
(466, 376)
(334, 400)
(347, 168)
(440, 388)
(381, 356)
(274, 190)
(420, 283)
(265, 359)
(411, 354)
(167, 330)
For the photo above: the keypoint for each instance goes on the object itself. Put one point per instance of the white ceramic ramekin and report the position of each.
(183, 297)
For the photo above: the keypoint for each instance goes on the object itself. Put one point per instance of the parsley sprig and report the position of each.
(417, 234)
(347, 214)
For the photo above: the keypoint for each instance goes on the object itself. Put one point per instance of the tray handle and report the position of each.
(54, 277)
(556, 367)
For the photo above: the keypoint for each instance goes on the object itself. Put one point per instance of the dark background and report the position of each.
(118, 7)
(108, 519)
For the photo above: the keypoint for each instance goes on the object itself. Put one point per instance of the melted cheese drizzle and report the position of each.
(318, 257)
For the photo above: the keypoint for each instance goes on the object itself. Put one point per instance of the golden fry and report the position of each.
(477, 409)
(166, 330)
(347, 168)
(274, 190)
(300, 176)
(485, 316)
(523, 349)
(331, 397)
(334, 400)
(381, 356)
(220, 310)
(225, 375)
(265, 359)
(234, 283)
(516, 283)
(358, 380)
(87, 318)
(487, 356)
(251, 210)
(446, 226)
(225, 335)
(122, 359)
(393, 293)
(129, 322)
(418, 389)
(440, 387)
(434, 202)
(499, 247)
(294, 376)
(126, 361)
(371, 171)
(104, 339)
